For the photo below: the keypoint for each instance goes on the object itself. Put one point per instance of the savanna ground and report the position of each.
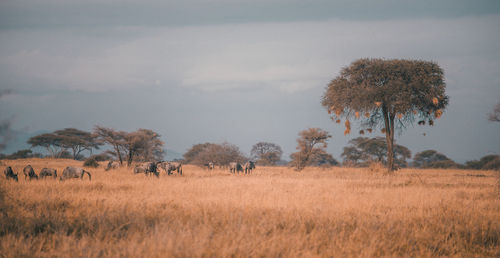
(276, 211)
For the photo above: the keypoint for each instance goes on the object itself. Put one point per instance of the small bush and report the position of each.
(91, 162)
(101, 157)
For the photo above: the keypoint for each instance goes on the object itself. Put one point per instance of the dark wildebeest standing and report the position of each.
(235, 167)
(74, 172)
(147, 168)
(29, 172)
(9, 173)
(112, 165)
(46, 172)
(249, 166)
(171, 166)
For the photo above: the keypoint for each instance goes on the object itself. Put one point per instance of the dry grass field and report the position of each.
(275, 212)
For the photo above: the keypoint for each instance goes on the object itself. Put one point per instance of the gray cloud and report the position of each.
(73, 13)
(224, 79)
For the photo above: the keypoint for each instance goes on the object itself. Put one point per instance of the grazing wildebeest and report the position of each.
(235, 167)
(171, 166)
(112, 165)
(45, 172)
(249, 166)
(74, 172)
(29, 172)
(9, 173)
(147, 168)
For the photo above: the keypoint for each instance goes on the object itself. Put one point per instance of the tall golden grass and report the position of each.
(273, 212)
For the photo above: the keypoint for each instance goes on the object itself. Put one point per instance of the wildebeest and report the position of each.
(112, 165)
(249, 166)
(147, 168)
(29, 172)
(74, 172)
(171, 166)
(9, 173)
(235, 167)
(209, 165)
(45, 172)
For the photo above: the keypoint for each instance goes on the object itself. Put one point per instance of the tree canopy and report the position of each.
(428, 158)
(266, 153)
(220, 154)
(307, 146)
(140, 145)
(363, 150)
(387, 95)
(58, 142)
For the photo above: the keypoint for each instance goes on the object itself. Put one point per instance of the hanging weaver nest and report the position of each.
(356, 114)
(347, 125)
(361, 132)
(414, 112)
(378, 103)
(421, 122)
(367, 115)
(337, 121)
(383, 130)
(369, 130)
(435, 101)
(431, 123)
(338, 112)
(400, 115)
(347, 131)
(438, 113)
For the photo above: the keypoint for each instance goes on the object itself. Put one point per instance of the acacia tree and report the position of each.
(266, 153)
(427, 158)
(58, 142)
(117, 139)
(192, 154)
(363, 150)
(389, 94)
(307, 146)
(51, 142)
(144, 145)
(77, 140)
(221, 154)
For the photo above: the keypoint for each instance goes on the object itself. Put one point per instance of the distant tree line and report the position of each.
(145, 145)
(126, 147)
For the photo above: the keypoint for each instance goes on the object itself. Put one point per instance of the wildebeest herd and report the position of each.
(29, 173)
(148, 168)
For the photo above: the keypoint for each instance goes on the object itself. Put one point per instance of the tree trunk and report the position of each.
(117, 149)
(130, 156)
(389, 137)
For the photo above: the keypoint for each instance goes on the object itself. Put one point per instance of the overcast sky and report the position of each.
(240, 71)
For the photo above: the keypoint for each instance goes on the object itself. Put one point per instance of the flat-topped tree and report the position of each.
(387, 94)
